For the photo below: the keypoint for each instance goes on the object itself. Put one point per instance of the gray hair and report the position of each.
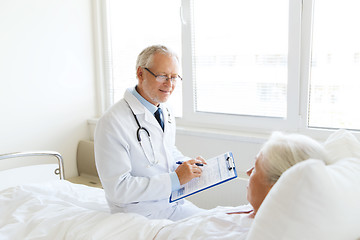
(145, 58)
(282, 151)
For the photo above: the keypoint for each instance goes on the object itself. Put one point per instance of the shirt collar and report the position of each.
(144, 102)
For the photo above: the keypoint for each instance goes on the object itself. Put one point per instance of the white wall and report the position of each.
(47, 85)
(210, 143)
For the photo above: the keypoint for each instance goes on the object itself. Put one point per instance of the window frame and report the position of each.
(238, 122)
(102, 52)
(300, 35)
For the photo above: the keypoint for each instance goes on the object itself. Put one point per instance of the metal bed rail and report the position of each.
(59, 171)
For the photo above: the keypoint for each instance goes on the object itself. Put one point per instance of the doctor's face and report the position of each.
(152, 90)
(258, 186)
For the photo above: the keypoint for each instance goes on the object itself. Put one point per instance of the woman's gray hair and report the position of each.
(282, 151)
(145, 58)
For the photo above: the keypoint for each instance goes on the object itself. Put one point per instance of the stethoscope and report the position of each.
(138, 133)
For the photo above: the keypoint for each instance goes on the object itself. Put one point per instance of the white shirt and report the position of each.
(131, 182)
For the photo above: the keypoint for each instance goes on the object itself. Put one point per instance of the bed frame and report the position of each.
(59, 171)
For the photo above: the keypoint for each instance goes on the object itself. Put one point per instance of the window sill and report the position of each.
(204, 132)
(92, 123)
(222, 134)
(234, 135)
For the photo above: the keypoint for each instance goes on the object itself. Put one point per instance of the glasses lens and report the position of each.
(161, 78)
(174, 79)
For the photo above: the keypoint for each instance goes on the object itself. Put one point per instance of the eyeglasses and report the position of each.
(164, 78)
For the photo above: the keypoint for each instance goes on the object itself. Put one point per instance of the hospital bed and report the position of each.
(310, 201)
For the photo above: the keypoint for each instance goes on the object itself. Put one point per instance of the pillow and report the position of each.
(312, 201)
(342, 144)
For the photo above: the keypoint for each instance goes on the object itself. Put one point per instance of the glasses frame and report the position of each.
(173, 80)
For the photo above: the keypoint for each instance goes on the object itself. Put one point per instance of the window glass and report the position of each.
(135, 25)
(335, 65)
(241, 57)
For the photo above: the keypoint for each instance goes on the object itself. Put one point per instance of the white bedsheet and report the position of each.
(211, 225)
(63, 210)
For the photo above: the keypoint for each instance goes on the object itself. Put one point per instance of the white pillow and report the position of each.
(342, 144)
(312, 200)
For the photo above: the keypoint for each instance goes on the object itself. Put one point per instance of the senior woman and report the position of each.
(277, 155)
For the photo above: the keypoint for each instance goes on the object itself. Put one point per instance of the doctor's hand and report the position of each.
(189, 170)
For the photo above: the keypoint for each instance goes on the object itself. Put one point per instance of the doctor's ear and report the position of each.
(139, 73)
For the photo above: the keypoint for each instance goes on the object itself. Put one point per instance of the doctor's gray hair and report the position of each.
(145, 58)
(282, 151)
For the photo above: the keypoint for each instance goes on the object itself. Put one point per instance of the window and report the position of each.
(258, 65)
(244, 64)
(335, 66)
(135, 25)
(240, 57)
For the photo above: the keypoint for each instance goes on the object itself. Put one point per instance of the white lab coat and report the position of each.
(131, 184)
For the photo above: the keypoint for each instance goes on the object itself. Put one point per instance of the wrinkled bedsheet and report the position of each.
(63, 210)
(214, 224)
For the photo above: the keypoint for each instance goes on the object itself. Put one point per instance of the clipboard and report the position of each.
(218, 170)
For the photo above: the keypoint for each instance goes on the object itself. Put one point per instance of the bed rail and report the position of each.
(59, 171)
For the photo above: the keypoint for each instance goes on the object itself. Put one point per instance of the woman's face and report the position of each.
(258, 186)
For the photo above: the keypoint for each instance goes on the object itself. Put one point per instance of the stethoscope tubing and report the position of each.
(139, 138)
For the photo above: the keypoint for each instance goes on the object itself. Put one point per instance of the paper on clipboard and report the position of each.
(217, 170)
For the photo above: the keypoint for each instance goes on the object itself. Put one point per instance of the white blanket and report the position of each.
(63, 210)
(213, 224)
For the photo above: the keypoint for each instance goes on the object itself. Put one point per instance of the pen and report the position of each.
(197, 164)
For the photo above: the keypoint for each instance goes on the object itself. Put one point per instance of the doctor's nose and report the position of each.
(169, 83)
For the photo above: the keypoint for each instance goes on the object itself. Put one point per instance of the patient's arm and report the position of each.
(241, 212)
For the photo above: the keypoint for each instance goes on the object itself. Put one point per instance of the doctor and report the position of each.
(135, 151)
